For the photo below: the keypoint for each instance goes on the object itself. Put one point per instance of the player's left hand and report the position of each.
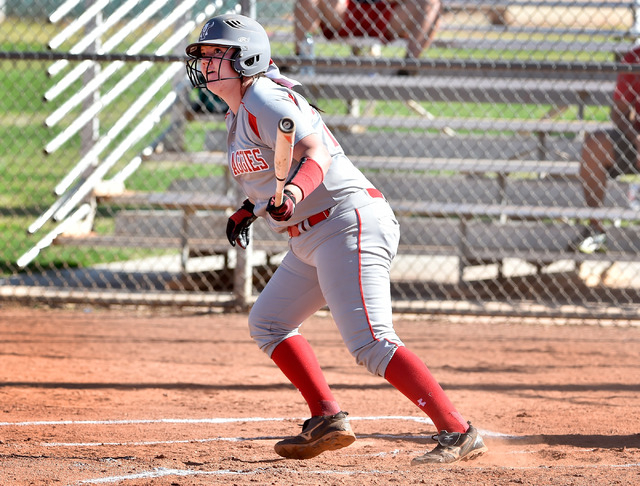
(238, 225)
(285, 210)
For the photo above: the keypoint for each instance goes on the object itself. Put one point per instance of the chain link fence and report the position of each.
(471, 116)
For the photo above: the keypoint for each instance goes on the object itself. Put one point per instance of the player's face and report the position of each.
(216, 65)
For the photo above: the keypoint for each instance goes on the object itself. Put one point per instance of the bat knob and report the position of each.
(286, 124)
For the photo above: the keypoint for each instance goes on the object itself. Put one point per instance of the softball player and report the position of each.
(343, 237)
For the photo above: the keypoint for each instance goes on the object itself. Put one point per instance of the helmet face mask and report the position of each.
(253, 52)
(199, 78)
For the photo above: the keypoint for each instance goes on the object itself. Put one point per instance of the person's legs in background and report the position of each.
(311, 15)
(605, 154)
(416, 21)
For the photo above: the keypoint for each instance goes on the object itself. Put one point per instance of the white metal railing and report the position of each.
(107, 46)
(108, 98)
(70, 196)
(87, 16)
(63, 10)
(95, 34)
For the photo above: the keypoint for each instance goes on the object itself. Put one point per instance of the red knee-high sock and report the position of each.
(409, 375)
(295, 357)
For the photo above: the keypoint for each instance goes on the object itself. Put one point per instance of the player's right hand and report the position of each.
(238, 225)
(285, 210)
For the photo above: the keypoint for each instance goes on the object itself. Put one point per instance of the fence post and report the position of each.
(243, 275)
(248, 8)
(635, 28)
(91, 131)
(174, 139)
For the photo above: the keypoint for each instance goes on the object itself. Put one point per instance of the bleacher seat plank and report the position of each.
(471, 124)
(418, 145)
(414, 145)
(203, 157)
(452, 189)
(551, 191)
(444, 209)
(496, 89)
(488, 4)
(205, 225)
(477, 166)
(171, 200)
(489, 241)
(463, 42)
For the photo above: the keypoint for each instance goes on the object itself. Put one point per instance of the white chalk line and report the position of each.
(143, 421)
(163, 472)
(422, 420)
(203, 441)
(154, 442)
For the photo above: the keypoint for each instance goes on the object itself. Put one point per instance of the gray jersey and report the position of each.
(251, 142)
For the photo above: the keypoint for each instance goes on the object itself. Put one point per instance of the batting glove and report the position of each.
(238, 225)
(285, 210)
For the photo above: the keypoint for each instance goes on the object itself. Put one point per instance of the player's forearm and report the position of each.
(312, 147)
(308, 177)
(295, 190)
(315, 162)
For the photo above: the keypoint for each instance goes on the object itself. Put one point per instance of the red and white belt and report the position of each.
(307, 224)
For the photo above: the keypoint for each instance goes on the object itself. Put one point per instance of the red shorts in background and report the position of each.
(364, 19)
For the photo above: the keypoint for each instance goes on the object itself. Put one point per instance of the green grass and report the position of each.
(54, 257)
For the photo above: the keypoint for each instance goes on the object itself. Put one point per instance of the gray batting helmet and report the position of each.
(243, 33)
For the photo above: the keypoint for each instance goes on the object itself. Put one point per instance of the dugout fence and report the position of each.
(115, 188)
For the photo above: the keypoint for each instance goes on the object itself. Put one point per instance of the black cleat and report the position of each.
(453, 447)
(319, 434)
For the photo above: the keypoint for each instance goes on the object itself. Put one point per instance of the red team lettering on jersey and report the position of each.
(247, 161)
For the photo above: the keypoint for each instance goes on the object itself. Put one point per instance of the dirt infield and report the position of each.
(92, 396)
